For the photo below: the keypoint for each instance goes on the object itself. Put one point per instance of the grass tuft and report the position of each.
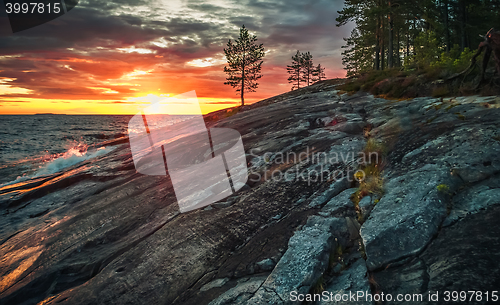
(318, 287)
(443, 188)
(369, 175)
(460, 116)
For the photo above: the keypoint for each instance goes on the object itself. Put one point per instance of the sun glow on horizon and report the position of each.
(129, 106)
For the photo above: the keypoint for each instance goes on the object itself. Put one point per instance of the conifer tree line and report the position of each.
(303, 72)
(405, 33)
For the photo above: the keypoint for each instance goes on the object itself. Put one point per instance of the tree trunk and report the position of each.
(243, 87)
(377, 46)
(390, 55)
(398, 58)
(407, 57)
(446, 25)
(382, 52)
(463, 20)
(408, 45)
(298, 79)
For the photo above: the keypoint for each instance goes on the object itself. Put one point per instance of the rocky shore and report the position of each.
(100, 233)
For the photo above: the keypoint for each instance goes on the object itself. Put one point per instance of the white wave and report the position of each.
(70, 158)
(59, 162)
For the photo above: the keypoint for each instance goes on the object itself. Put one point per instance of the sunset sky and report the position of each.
(113, 57)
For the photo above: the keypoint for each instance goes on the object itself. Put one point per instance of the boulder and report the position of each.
(406, 217)
(303, 263)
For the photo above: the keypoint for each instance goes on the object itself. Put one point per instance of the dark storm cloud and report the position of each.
(80, 28)
(204, 7)
(250, 23)
(295, 22)
(178, 26)
(132, 20)
(97, 32)
(289, 24)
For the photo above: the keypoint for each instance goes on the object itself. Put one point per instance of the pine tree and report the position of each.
(244, 57)
(387, 29)
(307, 68)
(365, 48)
(318, 73)
(294, 70)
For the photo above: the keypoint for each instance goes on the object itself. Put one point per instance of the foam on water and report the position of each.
(58, 162)
(70, 158)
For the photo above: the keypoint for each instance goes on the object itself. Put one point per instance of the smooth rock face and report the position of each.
(463, 255)
(350, 282)
(466, 255)
(473, 200)
(266, 265)
(214, 284)
(309, 253)
(302, 264)
(411, 278)
(100, 233)
(411, 211)
(334, 189)
(339, 205)
(456, 162)
(241, 293)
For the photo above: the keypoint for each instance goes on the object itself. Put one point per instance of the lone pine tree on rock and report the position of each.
(244, 58)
